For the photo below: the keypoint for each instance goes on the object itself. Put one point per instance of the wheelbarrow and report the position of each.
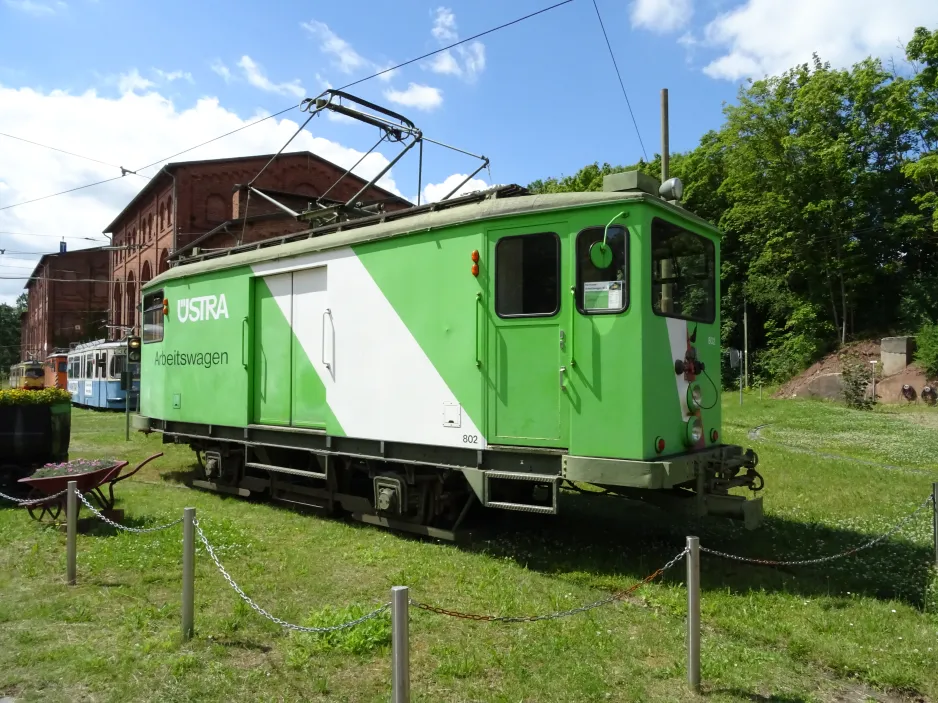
(91, 483)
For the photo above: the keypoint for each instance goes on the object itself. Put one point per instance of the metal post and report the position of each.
(665, 148)
(400, 645)
(746, 343)
(740, 384)
(71, 516)
(934, 499)
(129, 391)
(693, 612)
(188, 571)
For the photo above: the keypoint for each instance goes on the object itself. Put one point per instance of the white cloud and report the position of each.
(38, 9)
(763, 37)
(444, 26)
(132, 82)
(170, 76)
(435, 191)
(471, 61)
(420, 97)
(255, 76)
(110, 129)
(661, 16)
(219, 67)
(346, 59)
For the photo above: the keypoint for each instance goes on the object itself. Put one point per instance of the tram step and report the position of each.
(497, 481)
(285, 470)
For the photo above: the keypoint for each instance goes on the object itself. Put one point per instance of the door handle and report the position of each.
(244, 326)
(572, 325)
(478, 356)
(325, 363)
(563, 370)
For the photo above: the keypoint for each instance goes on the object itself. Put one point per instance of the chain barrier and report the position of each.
(34, 501)
(138, 530)
(820, 560)
(619, 595)
(264, 613)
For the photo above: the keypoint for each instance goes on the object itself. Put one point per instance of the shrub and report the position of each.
(856, 376)
(926, 353)
(46, 396)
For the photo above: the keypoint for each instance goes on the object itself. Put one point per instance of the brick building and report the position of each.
(201, 203)
(67, 301)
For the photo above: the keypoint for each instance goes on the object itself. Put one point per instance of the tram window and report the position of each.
(34, 372)
(603, 288)
(527, 275)
(683, 283)
(63, 366)
(117, 365)
(153, 317)
(89, 366)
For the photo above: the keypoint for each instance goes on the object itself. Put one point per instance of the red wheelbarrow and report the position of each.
(89, 482)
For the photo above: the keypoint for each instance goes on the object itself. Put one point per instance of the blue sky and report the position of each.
(131, 82)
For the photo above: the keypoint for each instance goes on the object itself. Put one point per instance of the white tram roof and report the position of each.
(95, 346)
(497, 202)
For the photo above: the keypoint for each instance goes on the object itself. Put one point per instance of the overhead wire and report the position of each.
(621, 83)
(63, 192)
(57, 236)
(70, 153)
(454, 44)
(294, 106)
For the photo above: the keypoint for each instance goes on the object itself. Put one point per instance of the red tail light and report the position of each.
(659, 445)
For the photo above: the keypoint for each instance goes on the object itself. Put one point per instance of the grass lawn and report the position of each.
(851, 630)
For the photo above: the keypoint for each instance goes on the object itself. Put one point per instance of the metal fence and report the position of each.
(401, 601)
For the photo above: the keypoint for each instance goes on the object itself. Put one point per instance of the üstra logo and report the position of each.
(206, 307)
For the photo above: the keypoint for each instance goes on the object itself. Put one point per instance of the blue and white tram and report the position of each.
(94, 375)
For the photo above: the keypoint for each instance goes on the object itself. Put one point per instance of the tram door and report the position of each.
(290, 320)
(527, 371)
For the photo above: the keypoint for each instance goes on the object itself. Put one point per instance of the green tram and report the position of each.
(410, 367)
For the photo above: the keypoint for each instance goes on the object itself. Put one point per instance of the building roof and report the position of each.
(485, 205)
(45, 257)
(168, 168)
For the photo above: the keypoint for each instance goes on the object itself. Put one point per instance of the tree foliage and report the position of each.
(825, 185)
(9, 338)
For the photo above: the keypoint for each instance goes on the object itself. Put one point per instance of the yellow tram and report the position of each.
(27, 375)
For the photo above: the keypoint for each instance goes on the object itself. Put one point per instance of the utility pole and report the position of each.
(665, 154)
(746, 343)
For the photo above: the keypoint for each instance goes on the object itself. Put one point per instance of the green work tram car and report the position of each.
(481, 351)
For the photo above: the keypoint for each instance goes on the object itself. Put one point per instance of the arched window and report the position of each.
(117, 307)
(145, 275)
(169, 212)
(164, 262)
(130, 302)
(162, 216)
(150, 227)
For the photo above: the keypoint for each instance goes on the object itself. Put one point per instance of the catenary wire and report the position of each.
(454, 44)
(70, 153)
(57, 236)
(62, 192)
(294, 106)
(621, 84)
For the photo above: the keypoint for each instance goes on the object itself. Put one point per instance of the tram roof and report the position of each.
(502, 201)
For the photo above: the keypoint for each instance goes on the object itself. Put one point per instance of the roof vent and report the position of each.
(630, 181)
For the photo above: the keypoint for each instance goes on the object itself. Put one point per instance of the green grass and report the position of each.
(834, 632)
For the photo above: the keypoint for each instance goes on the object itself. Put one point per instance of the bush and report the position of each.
(926, 353)
(46, 396)
(856, 376)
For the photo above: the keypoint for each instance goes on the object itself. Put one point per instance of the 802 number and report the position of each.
(470, 439)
